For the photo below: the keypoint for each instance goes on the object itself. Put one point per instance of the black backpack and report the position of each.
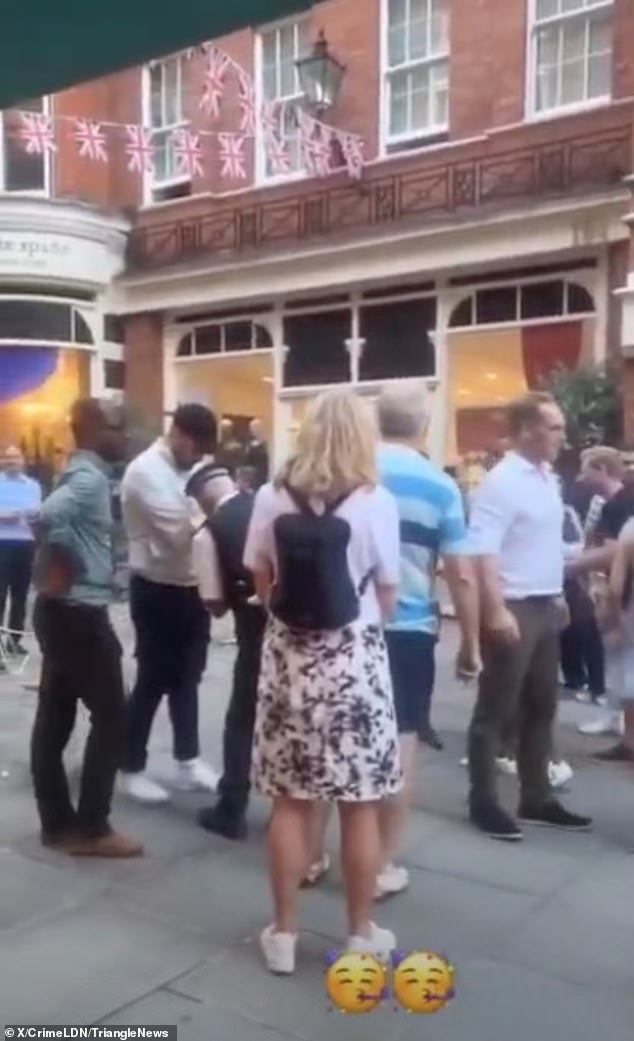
(314, 589)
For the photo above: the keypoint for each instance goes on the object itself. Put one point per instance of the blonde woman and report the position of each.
(324, 549)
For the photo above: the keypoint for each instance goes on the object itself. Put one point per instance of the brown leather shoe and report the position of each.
(112, 846)
(59, 840)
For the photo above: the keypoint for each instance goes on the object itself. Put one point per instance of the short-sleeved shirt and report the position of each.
(373, 547)
(616, 512)
(432, 524)
(518, 517)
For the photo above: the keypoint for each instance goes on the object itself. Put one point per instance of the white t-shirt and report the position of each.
(374, 541)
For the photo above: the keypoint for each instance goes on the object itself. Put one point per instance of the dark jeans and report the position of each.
(582, 652)
(413, 670)
(240, 719)
(81, 662)
(16, 565)
(172, 637)
(517, 695)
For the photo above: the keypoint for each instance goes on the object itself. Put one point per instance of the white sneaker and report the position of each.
(604, 723)
(559, 774)
(195, 775)
(317, 871)
(583, 696)
(506, 765)
(380, 943)
(139, 786)
(278, 950)
(392, 880)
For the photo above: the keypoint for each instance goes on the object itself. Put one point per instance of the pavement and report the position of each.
(541, 934)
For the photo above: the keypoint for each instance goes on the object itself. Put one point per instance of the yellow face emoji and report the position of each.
(423, 982)
(356, 982)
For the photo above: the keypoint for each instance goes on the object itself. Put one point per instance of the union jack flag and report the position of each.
(278, 155)
(139, 149)
(352, 150)
(247, 103)
(232, 157)
(91, 139)
(217, 64)
(37, 133)
(188, 153)
(271, 119)
(316, 146)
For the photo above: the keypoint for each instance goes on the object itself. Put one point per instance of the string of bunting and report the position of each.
(287, 133)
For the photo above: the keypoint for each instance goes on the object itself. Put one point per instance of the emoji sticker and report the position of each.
(423, 982)
(356, 983)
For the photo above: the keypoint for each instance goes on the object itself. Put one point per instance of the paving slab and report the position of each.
(31, 891)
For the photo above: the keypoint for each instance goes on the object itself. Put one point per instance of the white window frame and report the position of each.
(261, 173)
(534, 25)
(390, 142)
(152, 184)
(47, 159)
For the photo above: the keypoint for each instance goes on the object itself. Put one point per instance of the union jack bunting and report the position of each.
(188, 153)
(315, 143)
(271, 118)
(213, 90)
(231, 156)
(139, 149)
(278, 156)
(91, 139)
(352, 151)
(247, 103)
(37, 133)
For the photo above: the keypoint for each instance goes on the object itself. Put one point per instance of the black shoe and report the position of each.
(617, 754)
(552, 814)
(222, 821)
(428, 736)
(494, 821)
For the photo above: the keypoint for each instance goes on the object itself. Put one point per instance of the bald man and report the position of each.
(81, 655)
(20, 501)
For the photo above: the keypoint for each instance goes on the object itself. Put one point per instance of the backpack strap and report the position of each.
(365, 582)
(300, 500)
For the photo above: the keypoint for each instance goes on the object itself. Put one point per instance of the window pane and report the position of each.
(574, 39)
(418, 38)
(397, 12)
(547, 88)
(572, 76)
(269, 83)
(548, 46)
(571, 5)
(317, 351)
(22, 172)
(496, 305)
(287, 43)
(397, 45)
(419, 85)
(34, 320)
(399, 122)
(440, 27)
(156, 95)
(172, 93)
(397, 341)
(542, 300)
(207, 341)
(269, 50)
(600, 76)
(288, 80)
(600, 35)
(547, 8)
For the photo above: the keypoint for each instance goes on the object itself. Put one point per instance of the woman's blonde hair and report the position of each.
(336, 447)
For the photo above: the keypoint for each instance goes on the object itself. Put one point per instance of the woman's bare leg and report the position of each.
(360, 860)
(394, 812)
(288, 845)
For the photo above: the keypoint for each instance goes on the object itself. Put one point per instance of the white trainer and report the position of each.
(380, 943)
(278, 950)
(392, 880)
(141, 788)
(506, 765)
(603, 723)
(196, 775)
(559, 774)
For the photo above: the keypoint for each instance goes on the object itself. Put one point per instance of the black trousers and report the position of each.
(582, 651)
(16, 565)
(81, 661)
(240, 719)
(172, 637)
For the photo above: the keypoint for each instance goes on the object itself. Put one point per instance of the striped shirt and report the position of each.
(432, 524)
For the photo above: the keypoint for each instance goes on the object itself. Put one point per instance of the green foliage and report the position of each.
(591, 400)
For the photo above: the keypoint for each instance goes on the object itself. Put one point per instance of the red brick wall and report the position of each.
(623, 48)
(144, 368)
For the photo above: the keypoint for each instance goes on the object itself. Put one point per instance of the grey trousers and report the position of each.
(517, 693)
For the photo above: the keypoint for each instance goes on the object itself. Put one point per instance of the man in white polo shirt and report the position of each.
(516, 536)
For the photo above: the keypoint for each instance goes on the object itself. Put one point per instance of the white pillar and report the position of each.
(97, 375)
(439, 397)
(172, 336)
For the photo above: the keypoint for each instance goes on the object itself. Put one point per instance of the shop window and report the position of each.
(572, 53)
(225, 338)
(114, 374)
(397, 340)
(238, 336)
(208, 340)
(317, 348)
(496, 305)
(21, 171)
(81, 329)
(186, 346)
(416, 81)
(280, 87)
(165, 93)
(542, 300)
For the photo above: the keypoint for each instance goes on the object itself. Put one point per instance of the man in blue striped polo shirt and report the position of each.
(432, 528)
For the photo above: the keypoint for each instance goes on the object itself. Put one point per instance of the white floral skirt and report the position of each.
(325, 726)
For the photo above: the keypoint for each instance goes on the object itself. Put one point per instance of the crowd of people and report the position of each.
(329, 569)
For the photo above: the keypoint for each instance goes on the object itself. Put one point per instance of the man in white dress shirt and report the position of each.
(516, 536)
(170, 620)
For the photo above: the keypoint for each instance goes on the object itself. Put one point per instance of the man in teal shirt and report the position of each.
(80, 651)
